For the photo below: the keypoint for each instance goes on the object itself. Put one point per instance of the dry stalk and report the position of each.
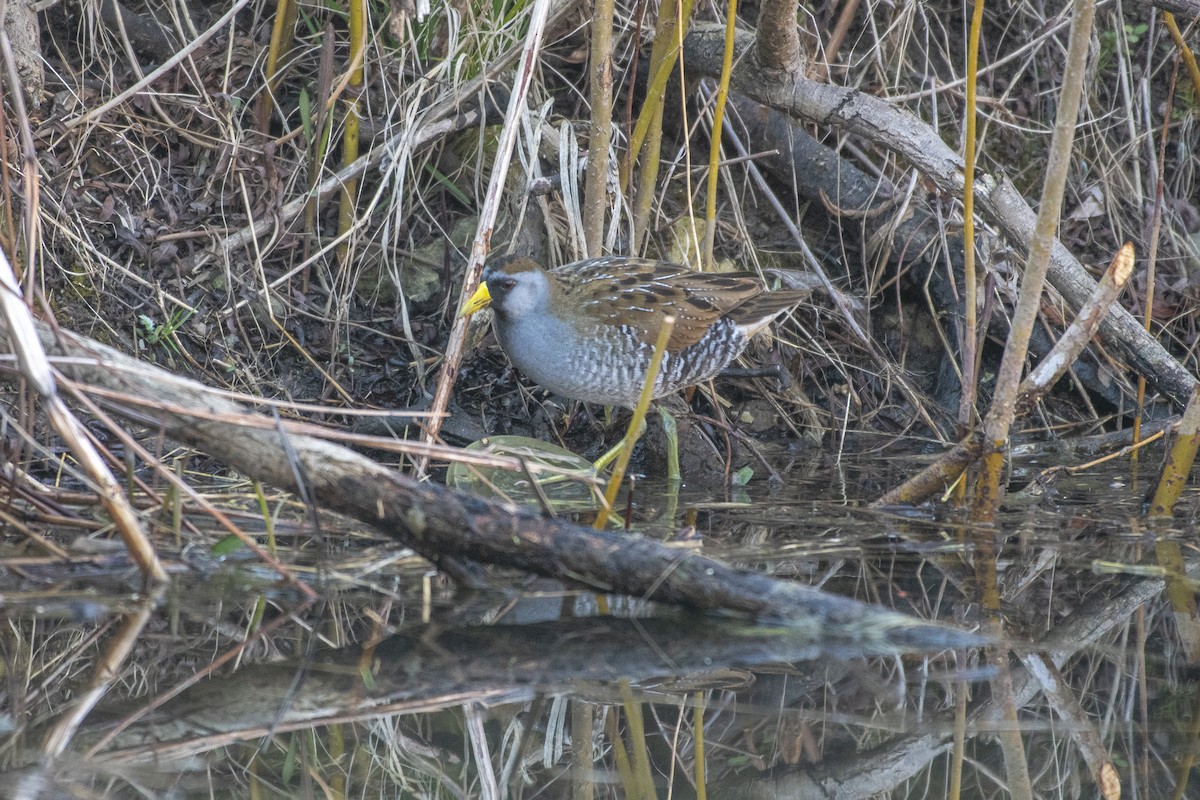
(1185, 52)
(35, 367)
(1024, 317)
(1152, 251)
(645, 142)
(944, 472)
(718, 124)
(350, 134)
(636, 423)
(595, 193)
(969, 356)
(283, 28)
(487, 215)
(1179, 462)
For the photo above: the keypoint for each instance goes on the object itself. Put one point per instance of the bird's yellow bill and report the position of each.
(478, 302)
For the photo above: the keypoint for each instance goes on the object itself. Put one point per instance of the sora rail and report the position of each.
(586, 330)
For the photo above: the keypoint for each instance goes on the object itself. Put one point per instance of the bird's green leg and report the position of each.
(608, 458)
(671, 431)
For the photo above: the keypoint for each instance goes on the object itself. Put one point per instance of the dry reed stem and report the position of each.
(1002, 412)
(108, 670)
(283, 27)
(970, 353)
(1181, 592)
(487, 217)
(1016, 763)
(1185, 52)
(620, 753)
(583, 755)
(1183, 770)
(1179, 463)
(600, 87)
(714, 151)
(635, 722)
(350, 126)
(1155, 238)
(645, 143)
(960, 738)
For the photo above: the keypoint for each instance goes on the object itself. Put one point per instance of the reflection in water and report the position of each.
(329, 703)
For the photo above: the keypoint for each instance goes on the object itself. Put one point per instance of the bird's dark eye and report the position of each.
(506, 284)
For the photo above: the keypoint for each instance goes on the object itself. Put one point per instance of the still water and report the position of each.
(400, 683)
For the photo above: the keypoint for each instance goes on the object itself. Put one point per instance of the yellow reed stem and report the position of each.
(637, 423)
(1185, 52)
(714, 150)
(969, 344)
(698, 748)
(358, 45)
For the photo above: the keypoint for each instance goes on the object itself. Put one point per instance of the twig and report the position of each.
(595, 191)
(1003, 410)
(487, 217)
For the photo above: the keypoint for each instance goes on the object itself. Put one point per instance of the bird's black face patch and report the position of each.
(500, 285)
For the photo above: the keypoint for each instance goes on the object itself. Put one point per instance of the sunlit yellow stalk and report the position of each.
(358, 44)
(714, 150)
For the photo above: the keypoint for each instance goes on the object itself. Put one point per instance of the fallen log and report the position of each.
(442, 524)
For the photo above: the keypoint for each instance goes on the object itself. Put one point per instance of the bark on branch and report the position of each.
(907, 136)
(440, 523)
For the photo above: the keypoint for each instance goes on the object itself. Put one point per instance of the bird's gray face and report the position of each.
(517, 294)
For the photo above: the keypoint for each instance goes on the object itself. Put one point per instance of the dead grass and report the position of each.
(135, 201)
(133, 197)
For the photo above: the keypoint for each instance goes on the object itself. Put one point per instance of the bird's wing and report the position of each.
(637, 293)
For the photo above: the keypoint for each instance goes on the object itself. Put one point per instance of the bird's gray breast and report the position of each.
(544, 350)
(609, 365)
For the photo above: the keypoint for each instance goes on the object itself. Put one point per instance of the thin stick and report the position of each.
(487, 217)
(714, 151)
(968, 343)
(1008, 380)
(595, 192)
(1152, 256)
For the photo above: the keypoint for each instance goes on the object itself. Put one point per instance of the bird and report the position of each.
(586, 330)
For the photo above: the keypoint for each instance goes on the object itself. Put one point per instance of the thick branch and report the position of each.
(778, 36)
(440, 523)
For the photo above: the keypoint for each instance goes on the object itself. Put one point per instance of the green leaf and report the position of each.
(742, 476)
(227, 545)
